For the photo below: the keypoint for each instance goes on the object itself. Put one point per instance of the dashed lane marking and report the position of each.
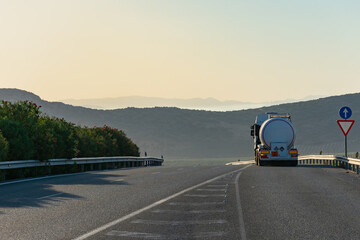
(177, 223)
(49, 196)
(141, 235)
(205, 195)
(119, 180)
(188, 212)
(119, 220)
(194, 204)
(135, 234)
(226, 185)
(211, 190)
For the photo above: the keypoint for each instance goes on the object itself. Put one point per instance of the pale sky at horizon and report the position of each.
(253, 51)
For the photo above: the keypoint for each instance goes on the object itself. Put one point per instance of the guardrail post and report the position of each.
(357, 169)
(99, 166)
(82, 167)
(3, 175)
(49, 169)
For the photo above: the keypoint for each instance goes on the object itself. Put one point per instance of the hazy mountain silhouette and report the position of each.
(175, 132)
(211, 104)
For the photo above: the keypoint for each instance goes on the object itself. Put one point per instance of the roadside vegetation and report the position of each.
(27, 134)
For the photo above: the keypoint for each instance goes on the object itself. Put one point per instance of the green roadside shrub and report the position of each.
(56, 139)
(4, 147)
(104, 142)
(28, 134)
(20, 145)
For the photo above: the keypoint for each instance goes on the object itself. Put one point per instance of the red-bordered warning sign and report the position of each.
(345, 125)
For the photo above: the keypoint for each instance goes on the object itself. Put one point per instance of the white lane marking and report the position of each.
(62, 175)
(135, 234)
(217, 185)
(155, 172)
(119, 180)
(141, 235)
(211, 190)
(240, 211)
(176, 223)
(194, 204)
(40, 178)
(49, 196)
(119, 220)
(204, 195)
(189, 212)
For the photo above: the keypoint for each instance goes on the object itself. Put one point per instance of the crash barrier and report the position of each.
(84, 164)
(331, 160)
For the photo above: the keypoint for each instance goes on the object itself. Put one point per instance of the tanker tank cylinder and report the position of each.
(277, 130)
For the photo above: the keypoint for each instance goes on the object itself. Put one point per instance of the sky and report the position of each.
(245, 50)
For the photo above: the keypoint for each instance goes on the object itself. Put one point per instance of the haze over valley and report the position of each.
(210, 104)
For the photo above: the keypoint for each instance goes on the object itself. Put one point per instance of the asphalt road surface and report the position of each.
(193, 202)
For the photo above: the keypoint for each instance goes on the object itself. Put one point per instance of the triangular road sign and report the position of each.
(345, 125)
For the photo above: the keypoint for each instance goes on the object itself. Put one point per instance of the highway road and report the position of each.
(189, 202)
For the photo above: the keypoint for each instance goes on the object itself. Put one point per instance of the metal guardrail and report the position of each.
(90, 164)
(352, 164)
(121, 161)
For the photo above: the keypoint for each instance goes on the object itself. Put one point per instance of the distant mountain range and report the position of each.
(182, 133)
(210, 104)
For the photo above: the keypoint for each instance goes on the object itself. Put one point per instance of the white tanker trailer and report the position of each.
(274, 137)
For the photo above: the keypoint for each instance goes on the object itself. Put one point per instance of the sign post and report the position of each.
(345, 125)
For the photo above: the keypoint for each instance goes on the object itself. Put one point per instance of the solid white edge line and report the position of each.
(41, 178)
(240, 211)
(61, 175)
(110, 224)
